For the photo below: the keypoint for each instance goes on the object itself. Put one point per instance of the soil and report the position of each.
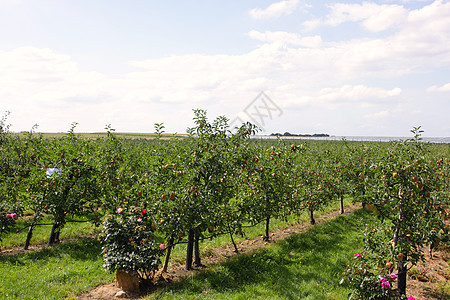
(427, 279)
(436, 269)
(40, 246)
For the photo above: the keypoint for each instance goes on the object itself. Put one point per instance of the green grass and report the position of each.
(53, 273)
(304, 266)
(72, 267)
(179, 252)
(42, 233)
(101, 135)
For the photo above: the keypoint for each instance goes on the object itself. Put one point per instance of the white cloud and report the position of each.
(420, 44)
(374, 17)
(286, 38)
(378, 115)
(312, 24)
(332, 98)
(275, 10)
(42, 75)
(356, 93)
(444, 88)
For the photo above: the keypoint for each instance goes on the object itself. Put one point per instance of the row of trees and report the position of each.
(217, 182)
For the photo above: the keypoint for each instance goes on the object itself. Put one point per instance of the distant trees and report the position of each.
(301, 135)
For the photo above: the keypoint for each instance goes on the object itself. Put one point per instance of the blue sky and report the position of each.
(338, 67)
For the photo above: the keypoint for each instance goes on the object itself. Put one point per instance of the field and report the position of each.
(160, 208)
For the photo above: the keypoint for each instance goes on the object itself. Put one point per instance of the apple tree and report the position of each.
(410, 203)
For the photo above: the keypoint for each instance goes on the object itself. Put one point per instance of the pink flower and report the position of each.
(8, 216)
(358, 255)
(384, 283)
(162, 246)
(14, 216)
(393, 276)
(119, 210)
(411, 298)
(139, 220)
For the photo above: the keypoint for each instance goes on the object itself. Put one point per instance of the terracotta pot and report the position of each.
(127, 281)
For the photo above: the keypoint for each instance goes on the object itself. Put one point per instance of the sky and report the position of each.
(351, 68)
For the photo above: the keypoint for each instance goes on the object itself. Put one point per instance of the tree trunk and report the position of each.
(311, 217)
(57, 234)
(342, 204)
(402, 268)
(197, 260)
(169, 251)
(52, 238)
(266, 233)
(363, 202)
(29, 236)
(189, 250)
(232, 240)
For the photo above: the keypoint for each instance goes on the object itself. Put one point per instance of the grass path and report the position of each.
(68, 269)
(213, 258)
(305, 265)
(52, 273)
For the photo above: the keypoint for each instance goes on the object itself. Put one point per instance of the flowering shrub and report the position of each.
(7, 218)
(369, 282)
(127, 243)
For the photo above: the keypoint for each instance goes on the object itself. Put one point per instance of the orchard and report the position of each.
(219, 181)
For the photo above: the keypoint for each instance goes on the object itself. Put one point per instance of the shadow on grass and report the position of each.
(82, 249)
(290, 268)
